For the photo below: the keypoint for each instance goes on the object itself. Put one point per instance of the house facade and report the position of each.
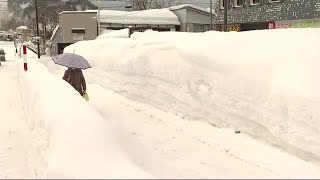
(78, 25)
(73, 26)
(192, 18)
(244, 15)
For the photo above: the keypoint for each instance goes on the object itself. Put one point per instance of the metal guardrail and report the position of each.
(31, 49)
(34, 50)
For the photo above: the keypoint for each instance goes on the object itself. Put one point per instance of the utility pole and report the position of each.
(99, 19)
(38, 42)
(211, 28)
(225, 10)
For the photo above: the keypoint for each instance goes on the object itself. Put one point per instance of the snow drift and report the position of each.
(263, 83)
(72, 139)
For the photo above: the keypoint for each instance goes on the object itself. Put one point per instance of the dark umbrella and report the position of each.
(71, 61)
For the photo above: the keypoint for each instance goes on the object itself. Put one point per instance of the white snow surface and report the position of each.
(123, 33)
(16, 151)
(166, 105)
(69, 135)
(267, 88)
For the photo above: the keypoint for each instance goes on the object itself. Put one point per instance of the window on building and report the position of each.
(273, 1)
(255, 2)
(78, 30)
(238, 3)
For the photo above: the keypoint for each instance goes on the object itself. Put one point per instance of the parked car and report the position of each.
(2, 55)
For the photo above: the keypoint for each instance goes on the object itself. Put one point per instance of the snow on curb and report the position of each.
(72, 142)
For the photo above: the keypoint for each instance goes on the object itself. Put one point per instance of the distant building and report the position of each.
(185, 18)
(244, 15)
(161, 19)
(73, 26)
(76, 26)
(192, 18)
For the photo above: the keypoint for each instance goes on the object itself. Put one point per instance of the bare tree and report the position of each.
(153, 4)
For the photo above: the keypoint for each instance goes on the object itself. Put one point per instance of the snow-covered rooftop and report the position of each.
(54, 32)
(152, 16)
(75, 12)
(189, 6)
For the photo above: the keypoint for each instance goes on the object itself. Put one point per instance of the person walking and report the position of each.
(75, 78)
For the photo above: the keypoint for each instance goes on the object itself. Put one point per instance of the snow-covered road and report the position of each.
(15, 142)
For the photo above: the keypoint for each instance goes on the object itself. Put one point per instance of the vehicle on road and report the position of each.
(2, 55)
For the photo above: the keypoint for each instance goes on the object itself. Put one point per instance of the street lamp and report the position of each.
(225, 10)
(99, 19)
(211, 15)
(37, 22)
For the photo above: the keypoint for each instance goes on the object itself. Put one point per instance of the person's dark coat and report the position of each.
(76, 79)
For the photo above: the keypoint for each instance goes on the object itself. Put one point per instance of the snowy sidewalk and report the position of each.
(13, 133)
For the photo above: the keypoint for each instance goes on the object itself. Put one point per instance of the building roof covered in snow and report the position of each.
(76, 12)
(189, 6)
(152, 16)
(54, 32)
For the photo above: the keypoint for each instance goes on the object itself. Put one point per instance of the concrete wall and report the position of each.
(78, 20)
(197, 18)
(182, 15)
(193, 20)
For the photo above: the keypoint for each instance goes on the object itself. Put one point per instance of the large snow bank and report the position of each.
(263, 83)
(123, 33)
(74, 140)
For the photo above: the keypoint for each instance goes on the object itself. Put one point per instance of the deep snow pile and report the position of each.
(264, 83)
(73, 140)
(124, 33)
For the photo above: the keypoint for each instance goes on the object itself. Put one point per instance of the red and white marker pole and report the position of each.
(25, 65)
